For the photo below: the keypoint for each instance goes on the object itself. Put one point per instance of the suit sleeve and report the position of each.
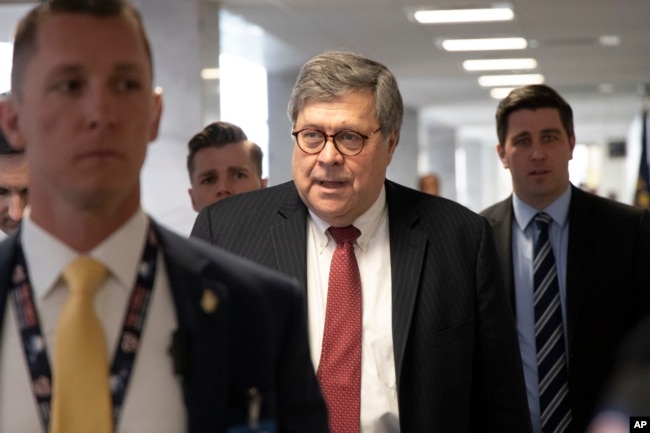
(499, 394)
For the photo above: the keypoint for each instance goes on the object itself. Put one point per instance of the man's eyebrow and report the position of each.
(209, 171)
(521, 134)
(237, 168)
(128, 67)
(72, 68)
(551, 130)
(66, 68)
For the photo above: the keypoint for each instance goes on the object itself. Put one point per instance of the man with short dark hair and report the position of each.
(13, 186)
(221, 161)
(184, 337)
(596, 287)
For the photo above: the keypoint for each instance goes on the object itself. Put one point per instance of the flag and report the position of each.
(642, 194)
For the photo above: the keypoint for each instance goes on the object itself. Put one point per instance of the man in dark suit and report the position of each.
(600, 247)
(221, 162)
(208, 342)
(438, 342)
(13, 186)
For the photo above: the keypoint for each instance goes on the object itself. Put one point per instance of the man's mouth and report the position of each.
(330, 184)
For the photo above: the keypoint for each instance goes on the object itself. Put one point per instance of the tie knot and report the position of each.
(543, 220)
(343, 235)
(84, 274)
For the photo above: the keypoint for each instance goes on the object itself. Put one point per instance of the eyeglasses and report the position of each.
(347, 142)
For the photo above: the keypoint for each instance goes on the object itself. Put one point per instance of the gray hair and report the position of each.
(335, 73)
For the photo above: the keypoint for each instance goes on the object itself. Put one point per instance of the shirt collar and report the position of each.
(558, 210)
(49, 255)
(366, 223)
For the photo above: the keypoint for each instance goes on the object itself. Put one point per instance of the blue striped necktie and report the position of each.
(549, 335)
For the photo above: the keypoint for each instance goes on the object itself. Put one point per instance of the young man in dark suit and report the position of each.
(437, 345)
(221, 162)
(13, 186)
(600, 248)
(203, 341)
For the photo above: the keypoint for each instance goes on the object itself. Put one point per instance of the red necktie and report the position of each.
(339, 370)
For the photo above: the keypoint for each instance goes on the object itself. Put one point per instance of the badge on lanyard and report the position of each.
(254, 425)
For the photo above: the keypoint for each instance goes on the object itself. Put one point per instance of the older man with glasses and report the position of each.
(410, 327)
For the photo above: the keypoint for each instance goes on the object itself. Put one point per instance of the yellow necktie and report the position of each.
(81, 398)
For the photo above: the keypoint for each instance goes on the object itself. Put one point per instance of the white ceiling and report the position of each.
(563, 36)
(283, 34)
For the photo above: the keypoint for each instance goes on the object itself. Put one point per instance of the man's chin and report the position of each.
(8, 227)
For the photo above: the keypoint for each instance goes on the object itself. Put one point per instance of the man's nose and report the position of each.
(100, 107)
(223, 189)
(538, 151)
(16, 206)
(330, 152)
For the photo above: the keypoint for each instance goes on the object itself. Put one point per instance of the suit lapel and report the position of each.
(7, 252)
(289, 237)
(583, 236)
(407, 250)
(502, 230)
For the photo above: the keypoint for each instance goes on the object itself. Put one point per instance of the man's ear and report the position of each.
(501, 151)
(393, 139)
(572, 145)
(9, 123)
(157, 113)
(190, 192)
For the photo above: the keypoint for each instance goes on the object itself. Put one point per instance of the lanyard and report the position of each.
(34, 345)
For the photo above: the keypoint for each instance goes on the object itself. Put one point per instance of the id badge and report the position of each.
(262, 427)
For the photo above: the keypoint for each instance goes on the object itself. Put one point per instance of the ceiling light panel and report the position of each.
(500, 92)
(609, 40)
(499, 64)
(444, 16)
(484, 44)
(210, 73)
(510, 80)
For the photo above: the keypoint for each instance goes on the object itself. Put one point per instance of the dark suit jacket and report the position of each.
(607, 283)
(256, 337)
(628, 391)
(455, 348)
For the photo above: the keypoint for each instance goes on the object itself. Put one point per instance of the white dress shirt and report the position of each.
(153, 401)
(379, 411)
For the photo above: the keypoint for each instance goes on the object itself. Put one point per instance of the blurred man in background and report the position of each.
(222, 162)
(13, 186)
(430, 184)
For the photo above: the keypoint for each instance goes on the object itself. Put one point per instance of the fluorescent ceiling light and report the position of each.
(510, 80)
(500, 92)
(609, 40)
(210, 73)
(499, 64)
(463, 15)
(605, 88)
(484, 44)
